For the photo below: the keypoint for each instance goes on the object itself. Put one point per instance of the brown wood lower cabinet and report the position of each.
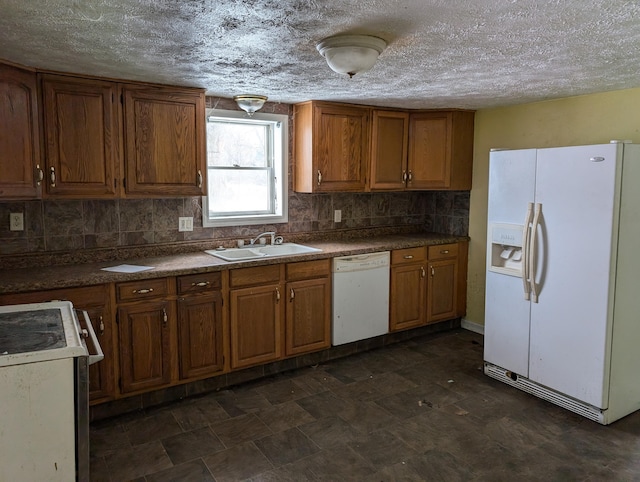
(146, 319)
(442, 285)
(308, 317)
(201, 333)
(407, 307)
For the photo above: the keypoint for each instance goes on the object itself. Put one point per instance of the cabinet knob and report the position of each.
(319, 177)
(52, 176)
(277, 294)
(165, 318)
(433, 272)
(410, 176)
(422, 273)
(199, 178)
(292, 295)
(404, 175)
(101, 326)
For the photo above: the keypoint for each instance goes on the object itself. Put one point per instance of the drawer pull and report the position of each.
(404, 176)
(101, 327)
(165, 318)
(422, 273)
(444, 251)
(199, 178)
(408, 256)
(292, 295)
(319, 177)
(433, 272)
(277, 294)
(201, 284)
(53, 177)
(39, 175)
(143, 291)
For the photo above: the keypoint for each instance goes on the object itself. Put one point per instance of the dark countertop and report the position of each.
(76, 275)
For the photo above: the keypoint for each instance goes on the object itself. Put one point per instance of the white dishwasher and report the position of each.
(360, 297)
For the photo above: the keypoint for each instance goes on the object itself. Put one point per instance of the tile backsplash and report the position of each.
(69, 225)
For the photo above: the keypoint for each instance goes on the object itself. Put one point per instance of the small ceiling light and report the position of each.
(250, 103)
(351, 54)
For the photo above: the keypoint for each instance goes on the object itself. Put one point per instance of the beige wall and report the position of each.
(589, 119)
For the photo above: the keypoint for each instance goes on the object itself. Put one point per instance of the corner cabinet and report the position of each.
(20, 170)
(440, 150)
(164, 141)
(331, 146)
(80, 123)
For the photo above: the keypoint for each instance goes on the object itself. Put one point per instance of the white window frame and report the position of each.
(280, 169)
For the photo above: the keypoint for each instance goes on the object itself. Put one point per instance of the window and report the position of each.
(246, 169)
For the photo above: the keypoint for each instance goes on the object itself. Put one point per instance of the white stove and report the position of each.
(44, 422)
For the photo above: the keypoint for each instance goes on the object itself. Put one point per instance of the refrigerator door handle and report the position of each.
(525, 253)
(532, 252)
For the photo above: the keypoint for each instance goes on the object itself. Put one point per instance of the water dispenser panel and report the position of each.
(505, 250)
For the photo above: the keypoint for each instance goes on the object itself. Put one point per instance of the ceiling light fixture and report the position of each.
(351, 54)
(250, 103)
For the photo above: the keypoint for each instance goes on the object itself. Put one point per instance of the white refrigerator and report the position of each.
(562, 316)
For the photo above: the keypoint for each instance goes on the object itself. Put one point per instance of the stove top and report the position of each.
(26, 331)
(39, 332)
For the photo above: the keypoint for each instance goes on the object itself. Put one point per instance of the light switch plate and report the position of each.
(337, 216)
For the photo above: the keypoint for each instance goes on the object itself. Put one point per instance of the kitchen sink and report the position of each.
(256, 252)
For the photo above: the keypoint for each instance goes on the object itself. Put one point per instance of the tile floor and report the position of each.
(418, 410)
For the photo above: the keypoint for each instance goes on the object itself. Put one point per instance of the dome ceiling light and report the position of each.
(351, 54)
(250, 103)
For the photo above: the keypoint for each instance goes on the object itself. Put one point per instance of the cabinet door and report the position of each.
(442, 289)
(340, 147)
(407, 296)
(429, 150)
(389, 137)
(201, 341)
(144, 345)
(81, 136)
(101, 375)
(19, 137)
(308, 320)
(164, 132)
(256, 329)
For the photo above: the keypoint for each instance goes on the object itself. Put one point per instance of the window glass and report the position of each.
(246, 169)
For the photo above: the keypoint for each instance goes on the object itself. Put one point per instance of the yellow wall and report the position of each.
(589, 119)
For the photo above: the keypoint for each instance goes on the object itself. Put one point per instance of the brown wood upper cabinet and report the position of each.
(164, 145)
(421, 150)
(19, 142)
(331, 145)
(389, 139)
(81, 136)
(440, 150)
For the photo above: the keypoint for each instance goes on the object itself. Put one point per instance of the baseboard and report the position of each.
(472, 326)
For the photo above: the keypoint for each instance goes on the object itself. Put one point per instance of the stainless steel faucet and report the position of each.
(272, 234)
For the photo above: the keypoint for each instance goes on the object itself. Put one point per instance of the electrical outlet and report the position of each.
(185, 224)
(337, 216)
(16, 222)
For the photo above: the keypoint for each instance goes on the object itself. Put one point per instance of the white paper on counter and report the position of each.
(127, 268)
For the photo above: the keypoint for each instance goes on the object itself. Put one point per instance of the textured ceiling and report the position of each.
(441, 53)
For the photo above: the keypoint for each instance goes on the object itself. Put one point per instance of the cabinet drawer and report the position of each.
(254, 276)
(308, 269)
(80, 297)
(409, 255)
(142, 289)
(195, 283)
(443, 251)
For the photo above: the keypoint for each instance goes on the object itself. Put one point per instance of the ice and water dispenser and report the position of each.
(505, 250)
